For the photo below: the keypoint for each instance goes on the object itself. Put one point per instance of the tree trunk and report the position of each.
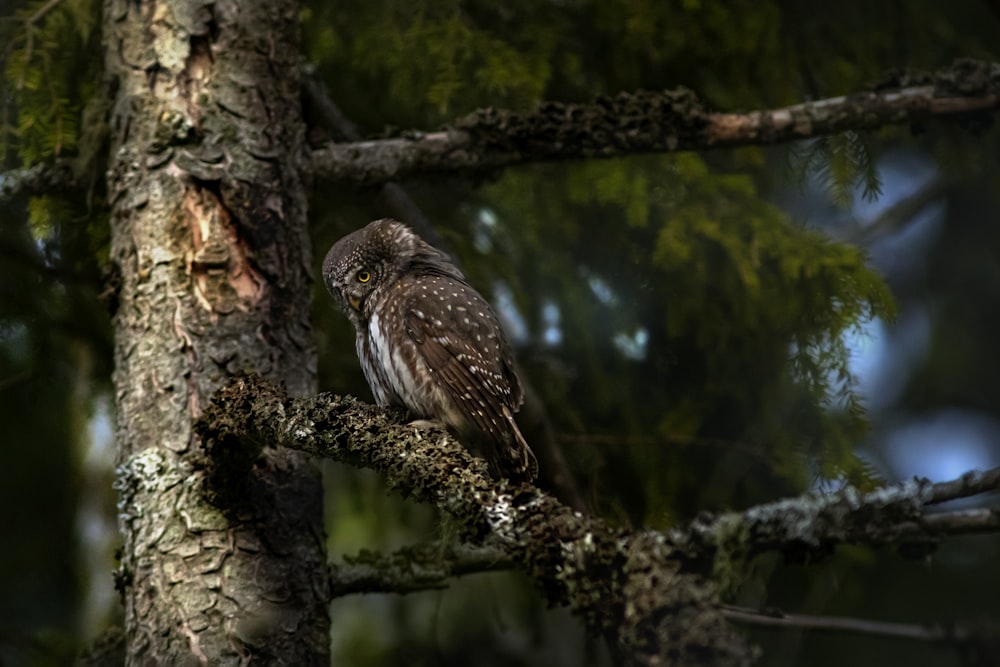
(209, 236)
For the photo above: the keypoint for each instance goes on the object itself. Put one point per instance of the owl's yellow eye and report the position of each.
(364, 276)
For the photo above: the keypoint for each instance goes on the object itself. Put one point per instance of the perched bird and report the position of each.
(429, 342)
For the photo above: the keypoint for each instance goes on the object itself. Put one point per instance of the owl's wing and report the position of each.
(477, 384)
(460, 339)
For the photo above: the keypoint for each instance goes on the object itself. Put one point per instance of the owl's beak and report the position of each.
(355, 303)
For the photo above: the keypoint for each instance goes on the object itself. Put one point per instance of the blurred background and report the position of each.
(701, 331)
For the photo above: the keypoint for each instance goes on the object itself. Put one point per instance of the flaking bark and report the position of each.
(209, 238)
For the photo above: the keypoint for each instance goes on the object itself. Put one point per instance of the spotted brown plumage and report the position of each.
(429, 342)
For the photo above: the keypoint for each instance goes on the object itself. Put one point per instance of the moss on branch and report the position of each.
(640, 588)
(622, 585)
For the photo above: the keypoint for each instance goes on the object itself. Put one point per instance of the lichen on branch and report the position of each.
(639, 122)
(622, 585)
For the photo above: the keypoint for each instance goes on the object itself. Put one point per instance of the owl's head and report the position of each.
(362, 265)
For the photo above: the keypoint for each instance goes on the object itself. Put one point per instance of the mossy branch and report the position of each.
(807, 527)
(658, 122)
(810, 526)
(637, 588)
(624, 586)
(44, 178)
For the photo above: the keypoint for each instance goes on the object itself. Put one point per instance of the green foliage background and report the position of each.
(700, 362)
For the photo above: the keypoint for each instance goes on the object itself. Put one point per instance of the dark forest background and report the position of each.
(705, 331)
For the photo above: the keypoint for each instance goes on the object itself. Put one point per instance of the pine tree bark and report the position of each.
(209, 238)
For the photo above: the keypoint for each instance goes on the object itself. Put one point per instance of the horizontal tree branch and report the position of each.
(778, 619)
(623, 586)
(971, 483)
(626, 124)
(431, 567)
(981, 639)
(414, 569)
(655, 122)
(811, 526)
(39, 179)
(897, 216)
(979, 520)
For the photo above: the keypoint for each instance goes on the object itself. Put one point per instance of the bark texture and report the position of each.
(209, 237)
(623, 586)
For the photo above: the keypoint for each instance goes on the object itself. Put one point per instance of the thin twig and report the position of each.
(414, 569)
(979, 520)
(29, 29)
(42, 11)
(901, 213)
(38, 179)
(814, 524)
(398, 202)
(774, 618)
(971, 483)
(16, 379)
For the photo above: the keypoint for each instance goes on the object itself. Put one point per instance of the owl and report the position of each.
(429, 342)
